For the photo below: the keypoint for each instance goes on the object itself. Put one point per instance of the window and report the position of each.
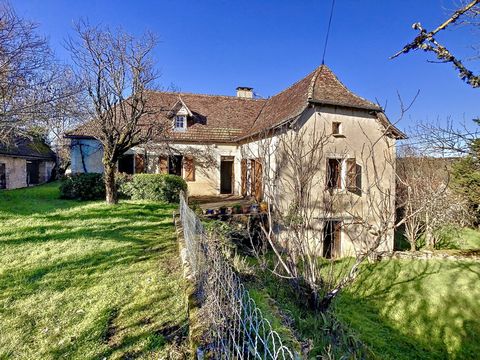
(175, 165)
(180, 122)
(344, 174)
(3, 177)
(334, 173)
(336, 128)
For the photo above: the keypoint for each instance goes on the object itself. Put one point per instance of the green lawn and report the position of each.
(416, 309)
(88, 281)
(400, 309)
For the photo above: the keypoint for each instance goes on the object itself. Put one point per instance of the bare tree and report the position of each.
(32, 83)
(427, 41)
(116, 70)
(313, 188)
(424, 196)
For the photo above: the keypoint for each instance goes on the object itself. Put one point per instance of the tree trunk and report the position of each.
(110, 186)
(429, 238)
(412, 246)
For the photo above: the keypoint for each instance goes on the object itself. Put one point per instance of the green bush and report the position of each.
(172, 187)
(122, 180)
(89, 186)
(158, 187)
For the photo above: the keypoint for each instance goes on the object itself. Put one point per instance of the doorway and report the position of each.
(332, 239)
(226, 175)
(33, 172)
(175, 165)
(126, 164)
(3, 177)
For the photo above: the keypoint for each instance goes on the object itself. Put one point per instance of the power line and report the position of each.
(328, 32)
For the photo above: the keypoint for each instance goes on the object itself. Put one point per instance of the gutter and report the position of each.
(28, 157)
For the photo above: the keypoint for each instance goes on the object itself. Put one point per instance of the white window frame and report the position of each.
(184, 123)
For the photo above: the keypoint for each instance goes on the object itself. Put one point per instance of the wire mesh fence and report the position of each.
(236, 329)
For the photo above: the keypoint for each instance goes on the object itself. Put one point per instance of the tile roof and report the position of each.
(27, 148)
(227, 119)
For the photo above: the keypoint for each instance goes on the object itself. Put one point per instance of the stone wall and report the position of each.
(16, 171)
(45, 170)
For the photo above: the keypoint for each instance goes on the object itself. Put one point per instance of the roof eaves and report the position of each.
(336, 103)
(391, 129)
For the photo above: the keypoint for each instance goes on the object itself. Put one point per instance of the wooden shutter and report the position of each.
(258, 180)
(163, 164)
(139, 163)
(358, 182)
(351, 175)
(189, 168)
(244, 176)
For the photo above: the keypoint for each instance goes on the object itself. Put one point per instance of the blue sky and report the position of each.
(213, 46)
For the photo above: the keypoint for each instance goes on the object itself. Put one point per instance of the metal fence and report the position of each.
(236, 327)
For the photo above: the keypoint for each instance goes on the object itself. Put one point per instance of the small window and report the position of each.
(336, 128)
(180, 122)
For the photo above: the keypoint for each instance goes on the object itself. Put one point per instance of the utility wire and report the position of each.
(328, 32)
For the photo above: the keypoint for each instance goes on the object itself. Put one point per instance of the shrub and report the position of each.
(89, 186)
(158, 187)
(172, 187)
(122, 181)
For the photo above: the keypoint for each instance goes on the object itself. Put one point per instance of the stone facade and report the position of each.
(16, 171)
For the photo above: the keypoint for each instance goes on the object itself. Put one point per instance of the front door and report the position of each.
(226, 176)
(331, 239)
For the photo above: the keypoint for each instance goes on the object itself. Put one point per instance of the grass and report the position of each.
(88, 281)
(416, 309)
(462, 241)
(399, 309)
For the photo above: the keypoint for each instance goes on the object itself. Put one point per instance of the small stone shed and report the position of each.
(25, 162)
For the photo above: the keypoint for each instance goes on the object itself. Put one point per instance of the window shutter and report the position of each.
(139, 163)
(359, 179)
(351, 175)
(258, 179)
(189, 168)
(328, 171)
(244, 176)
(163, 164)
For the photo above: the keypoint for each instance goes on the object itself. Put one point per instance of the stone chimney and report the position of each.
(245, 92)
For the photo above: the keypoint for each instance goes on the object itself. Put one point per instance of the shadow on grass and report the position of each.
(416, 309)
(132, 237)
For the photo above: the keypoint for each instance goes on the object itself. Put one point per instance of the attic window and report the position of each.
(180, 123)
(337, 128)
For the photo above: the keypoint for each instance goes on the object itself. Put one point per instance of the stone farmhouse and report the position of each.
(25, 162)
(214, 142)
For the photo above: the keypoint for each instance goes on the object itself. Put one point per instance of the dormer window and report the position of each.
(180, 123)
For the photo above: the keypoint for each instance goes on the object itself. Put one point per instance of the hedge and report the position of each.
(159, 187)
(85, 186)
